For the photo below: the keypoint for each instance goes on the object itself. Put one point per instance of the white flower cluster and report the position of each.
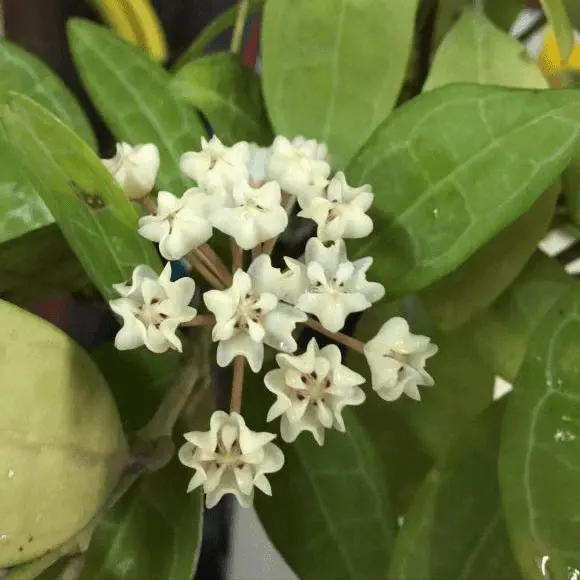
(245, 191)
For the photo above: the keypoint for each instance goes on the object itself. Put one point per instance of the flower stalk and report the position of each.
(237, 384)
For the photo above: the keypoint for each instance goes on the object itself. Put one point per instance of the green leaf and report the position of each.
(322, 79)
(436, 169)
(504, 12)
(457, 297)
(38, 265)
(153, 532)
(329, 515)
(455, 528)
(216, 27)
(138, 379)
(97, 220)
(229, 96)
(21, 208)
(571, 185)
(23, 73)
(404, 461)
(475, 51)
(573, 10)
(458, 395)
(558, 17)
(540, 448)
(501, 332)
(133, 94)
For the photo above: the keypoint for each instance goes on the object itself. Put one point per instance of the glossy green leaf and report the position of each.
(455, 528)
(216, 27)
(153, 532)
(475, 51)
(502, 331)
(322, 79)
(133, 94)
(457, 297)
(21, 208)
(97, 220)
(558, 17)
(228, 94)
(540, 448)
(458, 395)
(436, 166)
(38, 265)
(330, 514)
(23, 73)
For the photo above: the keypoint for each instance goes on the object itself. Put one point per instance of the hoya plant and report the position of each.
(318, 274)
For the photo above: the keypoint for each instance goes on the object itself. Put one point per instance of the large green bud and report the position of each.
(62, 447)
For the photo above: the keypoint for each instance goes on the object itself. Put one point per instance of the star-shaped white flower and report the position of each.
(341, 213)
(256, 216)
(287, 285)
(152, 307)
(397, 360)
(230, 458)
(300, 167)
(217, 168)
(134, 168)
(334, 287)
(312, 389)
(179, 225)
(247, 318)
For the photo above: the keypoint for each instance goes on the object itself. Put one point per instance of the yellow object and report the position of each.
(137, 22)
(550, 61)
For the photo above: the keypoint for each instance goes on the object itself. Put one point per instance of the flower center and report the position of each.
(247, 310)
(231, 458)
(334, 286)
(315, 388)
(150, 315)
(335, 212)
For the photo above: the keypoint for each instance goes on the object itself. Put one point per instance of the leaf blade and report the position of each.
(423, 176)
(455, 528)
(475, 51)
(100, 227)
(329, 63)
(23, 73)
(133, 94)
(228, 94)
(558, 17)
(157, 512)
(501, 332)
(539, 451)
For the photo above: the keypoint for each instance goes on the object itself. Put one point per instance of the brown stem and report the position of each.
(204, 259)
(257, 251)
(237, 257)
(201, 320)
(196, 263)
(220, 268)
(348, 341)
(148, 205)
(237, 384)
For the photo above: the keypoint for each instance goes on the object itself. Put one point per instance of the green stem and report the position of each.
(238, 35)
